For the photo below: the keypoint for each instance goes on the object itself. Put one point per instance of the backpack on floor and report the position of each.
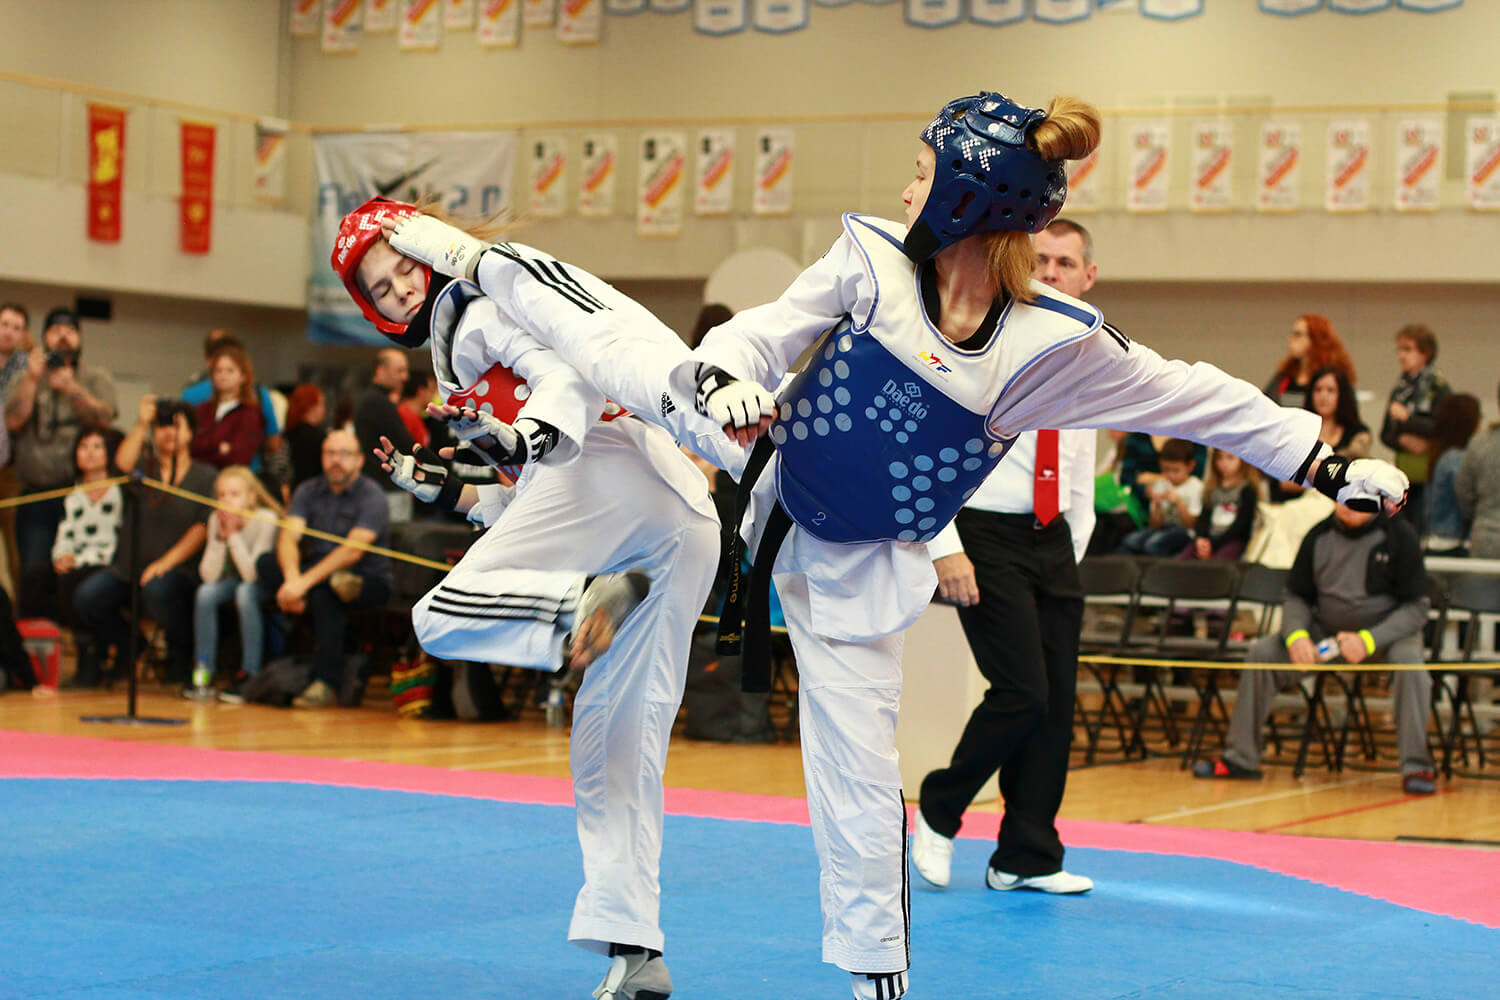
(279, 681)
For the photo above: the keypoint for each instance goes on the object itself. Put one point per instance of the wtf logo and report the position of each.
(934, 362)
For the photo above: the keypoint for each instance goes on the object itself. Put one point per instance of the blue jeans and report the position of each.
(246, 597)
(1167, 541)
(102, 603)
(36, 530)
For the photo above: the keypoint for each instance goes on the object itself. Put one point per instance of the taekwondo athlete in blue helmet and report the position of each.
(934, 349)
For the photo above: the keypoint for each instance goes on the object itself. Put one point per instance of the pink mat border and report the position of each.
(1448, 881)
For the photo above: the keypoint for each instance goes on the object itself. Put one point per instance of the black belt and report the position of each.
(745, 622)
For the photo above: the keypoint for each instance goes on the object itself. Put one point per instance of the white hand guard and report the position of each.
(1362, 484)
(426, 476)
(731, 403)
(498, 444)
(446, 249)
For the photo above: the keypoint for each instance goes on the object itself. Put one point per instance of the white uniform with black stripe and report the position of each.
(847, 605)
(611, 496)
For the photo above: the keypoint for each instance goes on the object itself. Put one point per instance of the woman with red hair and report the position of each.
(305, 411)
(1311, 347)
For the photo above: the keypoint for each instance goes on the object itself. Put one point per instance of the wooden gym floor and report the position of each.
(1357, 803)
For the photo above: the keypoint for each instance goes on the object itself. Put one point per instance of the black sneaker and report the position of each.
(1419, 783)
(234, 694)
(1221, 768)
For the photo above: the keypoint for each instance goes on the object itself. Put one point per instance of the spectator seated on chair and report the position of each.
(86, 542)
(1231, 494)
(1175, 498)
(171, 534)
(1357, 579)
(228, 571)
(322, 579)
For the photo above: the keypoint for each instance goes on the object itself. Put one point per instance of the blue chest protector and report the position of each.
(871, 452)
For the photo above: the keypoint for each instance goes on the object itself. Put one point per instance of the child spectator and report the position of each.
(1231, 495)
(227, 569)
(1407, 429)
(1175, 502)
(231, 426)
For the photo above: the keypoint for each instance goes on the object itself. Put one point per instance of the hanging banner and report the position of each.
(669, 6)
(1348, 176)
(468, 172)
(658, 204)
(719, 17)
(715, 173)
(306, 18)
(780, 16)
(1213, 176)
(579, 21)
(933, 13)
(1278, 185)
(1150, 146)
(624, 7)
(1429, 6)
(1171, 10)
(1358, 6)
(106, 171)
(341, 25)
(549, 162)
(833, 3)
(1482, 163)
(539, 13)
(380, 16)
(499, 24)
(421, 26)
(268, 174)
(1083, 185)
(994, 13)
(195, 214)
(1290, 8)
(458, 15)
(596, 190)
(1060, 11)
(773, 171)
(1419, 164)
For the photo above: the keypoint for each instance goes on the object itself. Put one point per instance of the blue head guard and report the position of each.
(985, 177)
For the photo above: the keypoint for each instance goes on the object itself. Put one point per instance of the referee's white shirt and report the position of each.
(1011, 487)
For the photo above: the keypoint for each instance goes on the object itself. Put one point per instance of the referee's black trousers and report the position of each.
(1024, 636)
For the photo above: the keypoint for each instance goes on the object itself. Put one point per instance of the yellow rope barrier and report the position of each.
(27, 498)
(1332, 668)
(283, 522)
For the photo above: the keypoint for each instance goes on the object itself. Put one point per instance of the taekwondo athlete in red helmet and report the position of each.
(608, 533)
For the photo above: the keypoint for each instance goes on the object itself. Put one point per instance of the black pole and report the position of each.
(135, 495)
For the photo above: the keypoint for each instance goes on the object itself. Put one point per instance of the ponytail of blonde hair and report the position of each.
(1070, 131)
(251, 482)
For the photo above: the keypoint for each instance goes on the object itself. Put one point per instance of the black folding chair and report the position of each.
(1261, 586)
(1470, 595)
(1110, 580)
(1171, 581)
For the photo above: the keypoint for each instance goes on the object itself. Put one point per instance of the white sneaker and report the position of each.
(635, 977)
(879, 985)
(1058, 883)
(931, 853)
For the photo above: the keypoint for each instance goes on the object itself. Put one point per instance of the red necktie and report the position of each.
(1044, 497)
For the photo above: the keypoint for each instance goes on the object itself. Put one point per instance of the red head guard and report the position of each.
(357, 233)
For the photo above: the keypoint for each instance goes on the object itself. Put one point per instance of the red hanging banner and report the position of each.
(106, 171)
(197, 202)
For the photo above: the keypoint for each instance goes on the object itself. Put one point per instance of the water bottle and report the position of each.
(555, 706)
(1328, 649)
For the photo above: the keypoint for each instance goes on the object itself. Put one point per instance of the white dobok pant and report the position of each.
(631, 500)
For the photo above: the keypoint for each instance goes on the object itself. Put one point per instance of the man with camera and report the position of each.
(55, 398)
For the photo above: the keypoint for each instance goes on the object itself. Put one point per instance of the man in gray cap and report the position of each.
(49, 404)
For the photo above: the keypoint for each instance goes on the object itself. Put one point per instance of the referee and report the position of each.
(1009, 561)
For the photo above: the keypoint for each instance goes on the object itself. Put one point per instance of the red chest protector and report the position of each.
(501, 393)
